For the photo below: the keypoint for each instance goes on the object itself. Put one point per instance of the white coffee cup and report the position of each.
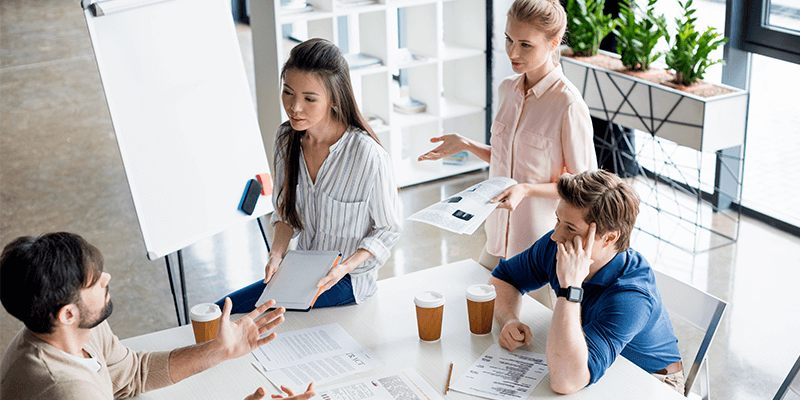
(205, 321)
(430, 309)
(480, 307)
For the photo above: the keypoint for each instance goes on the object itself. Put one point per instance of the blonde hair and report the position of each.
(548, 16)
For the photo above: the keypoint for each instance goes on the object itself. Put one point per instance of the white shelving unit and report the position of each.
(449, 76)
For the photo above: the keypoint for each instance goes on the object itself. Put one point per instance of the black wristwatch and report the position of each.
(572, 293)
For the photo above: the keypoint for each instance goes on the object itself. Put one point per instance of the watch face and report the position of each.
(575, 294)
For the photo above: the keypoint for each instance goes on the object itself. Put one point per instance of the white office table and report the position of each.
(387, 325)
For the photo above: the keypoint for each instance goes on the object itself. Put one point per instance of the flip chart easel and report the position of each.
(183, 115)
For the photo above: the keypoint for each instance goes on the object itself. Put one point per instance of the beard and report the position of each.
(87, 322)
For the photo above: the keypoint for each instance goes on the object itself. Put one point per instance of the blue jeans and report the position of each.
(244, 299)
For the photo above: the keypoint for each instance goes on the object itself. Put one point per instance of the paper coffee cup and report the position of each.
(480, 306)
(205, 321)
(430, 309)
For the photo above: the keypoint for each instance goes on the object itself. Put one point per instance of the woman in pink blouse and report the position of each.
(542, 130)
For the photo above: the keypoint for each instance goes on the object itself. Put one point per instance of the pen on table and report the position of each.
(449, 373)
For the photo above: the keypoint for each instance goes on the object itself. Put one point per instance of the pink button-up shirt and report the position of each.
(536, 137)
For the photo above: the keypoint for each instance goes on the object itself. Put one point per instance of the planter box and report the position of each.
(700, 123)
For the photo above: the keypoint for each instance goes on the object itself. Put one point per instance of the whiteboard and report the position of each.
(181, 107)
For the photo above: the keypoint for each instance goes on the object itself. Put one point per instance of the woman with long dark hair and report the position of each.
(334, 186)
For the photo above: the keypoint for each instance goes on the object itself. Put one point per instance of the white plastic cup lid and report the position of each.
(205, 312)
(481, 292)
(429, 299)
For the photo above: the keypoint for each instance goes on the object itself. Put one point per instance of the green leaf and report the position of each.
(689, 55)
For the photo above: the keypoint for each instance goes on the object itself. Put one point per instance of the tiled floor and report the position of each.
(60, 170)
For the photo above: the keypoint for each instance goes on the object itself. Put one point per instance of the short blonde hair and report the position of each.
(548, 16)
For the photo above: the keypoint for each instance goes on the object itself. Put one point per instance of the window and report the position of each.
(773, 29)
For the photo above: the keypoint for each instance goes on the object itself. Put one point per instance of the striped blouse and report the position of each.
(352, 205)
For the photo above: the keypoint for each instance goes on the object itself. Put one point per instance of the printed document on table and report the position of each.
(317, 354)
(465, 211)
(404, 385)
(500, 374)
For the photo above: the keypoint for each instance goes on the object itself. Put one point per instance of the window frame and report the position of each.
(767, 40)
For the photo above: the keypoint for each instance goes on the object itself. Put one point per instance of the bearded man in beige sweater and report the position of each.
(56, 286)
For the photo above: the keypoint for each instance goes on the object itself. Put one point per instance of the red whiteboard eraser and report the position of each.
(266, 183)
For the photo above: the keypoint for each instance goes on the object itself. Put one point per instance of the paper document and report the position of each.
(404, 385)
(501, 375)
(465, 211)
(317, 354)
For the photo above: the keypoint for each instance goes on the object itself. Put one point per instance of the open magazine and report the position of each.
(465, 211)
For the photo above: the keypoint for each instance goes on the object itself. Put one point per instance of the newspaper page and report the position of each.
(465, 211)
(500, 374)
(404, 385)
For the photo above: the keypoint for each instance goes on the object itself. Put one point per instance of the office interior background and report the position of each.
(60, 170)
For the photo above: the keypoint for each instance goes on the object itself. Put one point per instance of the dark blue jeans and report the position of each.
(244, 299)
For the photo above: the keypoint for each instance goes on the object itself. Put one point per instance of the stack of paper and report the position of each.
(319, 354)
(404, 385)
(361, 60)
(407, 105)
(355, 3)
(503, 375)
(295, 7)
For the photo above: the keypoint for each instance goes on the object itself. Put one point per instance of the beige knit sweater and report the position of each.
(33, 369)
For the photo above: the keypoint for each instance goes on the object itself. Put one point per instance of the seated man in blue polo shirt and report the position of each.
(608, 303)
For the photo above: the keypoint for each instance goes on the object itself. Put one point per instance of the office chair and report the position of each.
(791, 384)
(699, 309)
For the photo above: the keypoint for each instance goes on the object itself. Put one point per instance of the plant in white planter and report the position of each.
(708, 123)
(689, 55)
(587, 25)
(637, 36)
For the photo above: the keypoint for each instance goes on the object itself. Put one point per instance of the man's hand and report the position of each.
(257, 395)
(574, 258)
(452, 143)
(514, 334)
(272, 266)
(236, 339)
(511, 197)
(309, 393)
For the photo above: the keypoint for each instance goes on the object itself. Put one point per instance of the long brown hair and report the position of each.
(323, 59)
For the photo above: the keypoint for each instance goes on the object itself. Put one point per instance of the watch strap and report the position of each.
(571, 293)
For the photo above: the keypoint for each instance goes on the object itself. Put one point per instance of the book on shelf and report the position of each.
(465, 211)
(355, 3)
(361, 60)
(295, 7)
(374, 121)
(459, 158)
(407, 105)
(405, 56)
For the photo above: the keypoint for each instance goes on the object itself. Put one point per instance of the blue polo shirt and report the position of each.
(621, 312)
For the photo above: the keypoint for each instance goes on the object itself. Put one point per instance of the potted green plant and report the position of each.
(587, 26)
(637, 36)
(709, 120)
(689, 55)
